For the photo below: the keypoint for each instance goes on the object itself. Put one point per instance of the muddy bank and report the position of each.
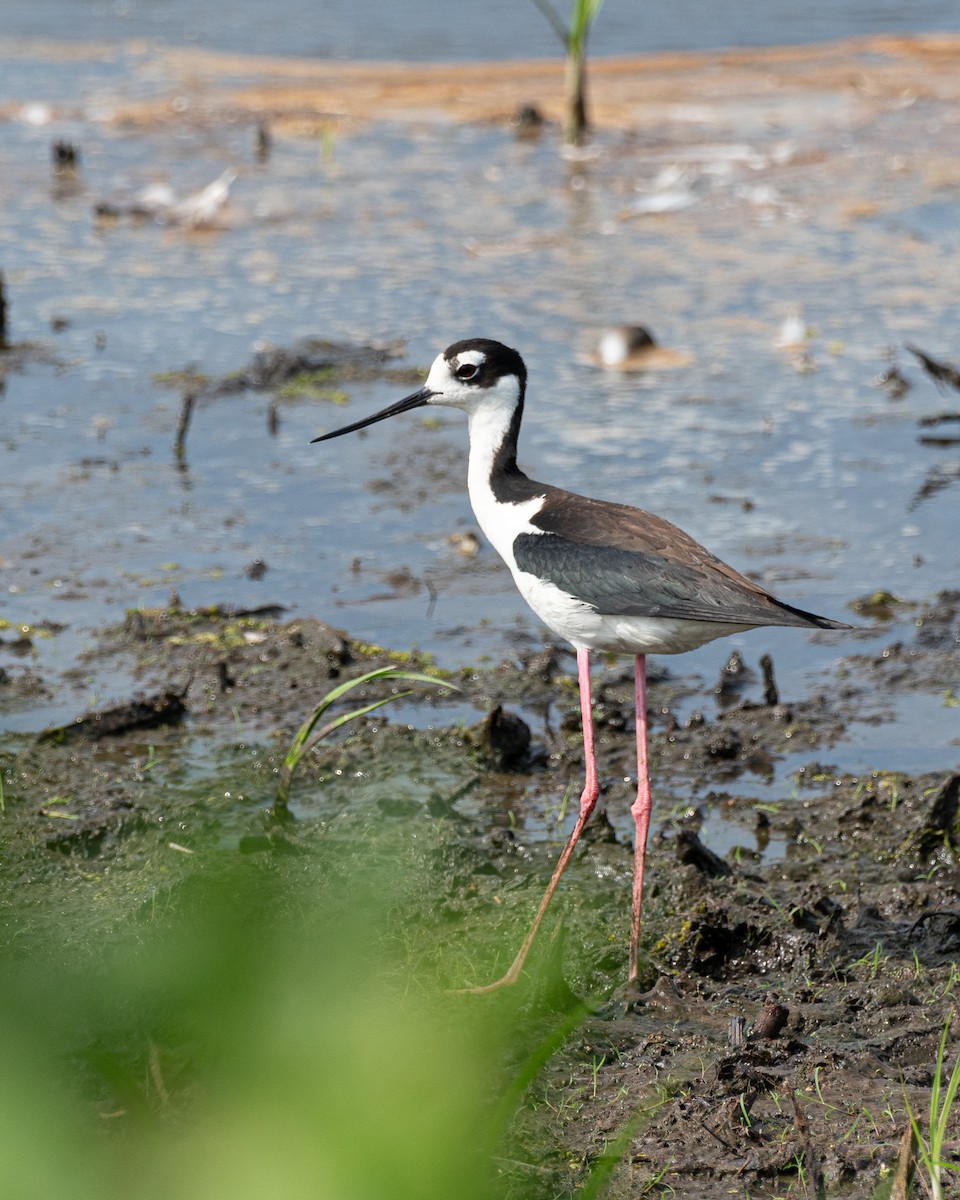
(795, 985)
(795, 1009)
(223, 676)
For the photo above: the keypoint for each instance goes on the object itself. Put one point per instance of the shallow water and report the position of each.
(802, 473)
(493, 29)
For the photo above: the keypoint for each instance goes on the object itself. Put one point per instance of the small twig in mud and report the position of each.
(713, 1133)
(906, 1165)
(771, 697)
(4, 340)
(183, 424)
(735, 1111)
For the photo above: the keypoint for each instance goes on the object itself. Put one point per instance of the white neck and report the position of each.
(489, 425)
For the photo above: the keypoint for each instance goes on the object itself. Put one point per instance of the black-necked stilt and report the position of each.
(603, 576)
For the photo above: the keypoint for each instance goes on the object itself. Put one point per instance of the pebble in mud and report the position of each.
(773, 1017)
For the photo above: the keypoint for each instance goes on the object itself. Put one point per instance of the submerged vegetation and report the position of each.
(308, 736)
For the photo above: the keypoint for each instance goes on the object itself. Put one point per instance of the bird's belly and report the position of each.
(584, 627)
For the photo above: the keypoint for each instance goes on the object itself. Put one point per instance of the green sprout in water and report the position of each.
(932, 1151)
(574, 38)
(308, 735)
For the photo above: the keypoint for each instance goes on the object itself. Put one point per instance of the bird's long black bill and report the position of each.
(417, 400)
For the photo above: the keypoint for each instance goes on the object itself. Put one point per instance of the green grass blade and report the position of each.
(937, 1079)
(341, 690)
(918, 1139)
(350, 716)
(530, 1068)
(582, 18)
(303, 745)
(945, 1109)
(942, 1099)
(555, 23)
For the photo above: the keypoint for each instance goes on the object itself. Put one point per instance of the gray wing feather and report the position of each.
(631, 583)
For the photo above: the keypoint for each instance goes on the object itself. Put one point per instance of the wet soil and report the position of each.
(787, 1015)
(302, 96)
(794, 987)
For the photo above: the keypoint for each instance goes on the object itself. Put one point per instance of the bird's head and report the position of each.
(476, 375)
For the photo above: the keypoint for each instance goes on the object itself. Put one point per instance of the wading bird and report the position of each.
(603, 576)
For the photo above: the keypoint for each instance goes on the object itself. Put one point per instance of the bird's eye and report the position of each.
(467, 371)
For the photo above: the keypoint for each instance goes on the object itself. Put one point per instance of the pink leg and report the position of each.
(588, 800)
(641, 812)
